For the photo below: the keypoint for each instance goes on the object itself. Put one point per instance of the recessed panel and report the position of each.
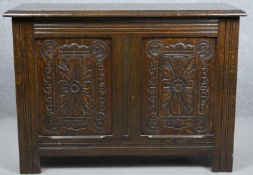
(177, 84)
(74, 86)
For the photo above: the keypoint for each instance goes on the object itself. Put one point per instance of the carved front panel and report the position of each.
(74, 86)
(177, 86)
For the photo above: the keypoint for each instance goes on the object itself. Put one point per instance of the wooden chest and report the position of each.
(125, 80)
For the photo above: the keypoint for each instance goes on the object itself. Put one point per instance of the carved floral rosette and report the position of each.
(69, 85)
(176, 108)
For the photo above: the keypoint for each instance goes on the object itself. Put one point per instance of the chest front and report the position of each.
(131, 86)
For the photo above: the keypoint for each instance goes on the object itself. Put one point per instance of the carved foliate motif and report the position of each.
(204, 50)
(76, 88)
(177, 85)
(177, 82)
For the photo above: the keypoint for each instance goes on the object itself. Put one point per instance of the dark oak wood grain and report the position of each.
(26, 96)
(75, 91)
(154, 80)
(124, 10)
(226, 94)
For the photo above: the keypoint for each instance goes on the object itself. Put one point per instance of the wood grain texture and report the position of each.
(25, 72)
(171, 27)
(226, 94)
(124, 10)
(178, 86)
(74, 86)
(123, 151)
(132, 85)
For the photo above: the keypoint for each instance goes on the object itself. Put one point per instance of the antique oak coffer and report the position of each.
(125, 80)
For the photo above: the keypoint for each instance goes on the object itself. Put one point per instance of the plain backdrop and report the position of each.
(243, 162)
